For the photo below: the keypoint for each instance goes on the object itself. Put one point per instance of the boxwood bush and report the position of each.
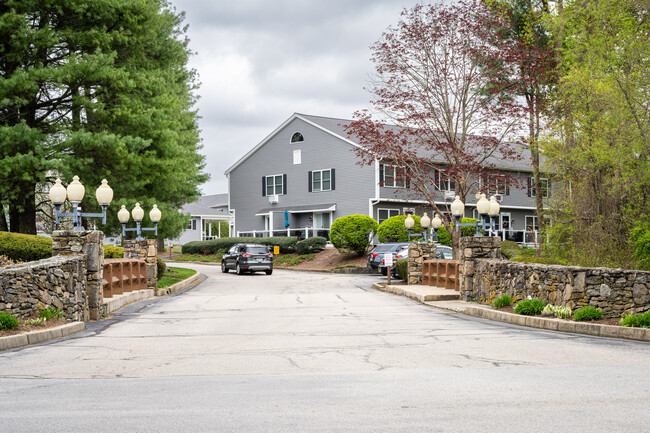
(7, 321)
(393, 229)
(113, 252)
(287, 244)
(353, 233)
(530, 307)
(311, 245)
(637, 320)
(25, 248)
(588, 313)
(401, 267)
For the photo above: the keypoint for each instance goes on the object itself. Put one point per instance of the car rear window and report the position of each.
(257, 250)
(381, 248)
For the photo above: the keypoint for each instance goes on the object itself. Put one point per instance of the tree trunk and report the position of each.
(3, 220)
(27, 223)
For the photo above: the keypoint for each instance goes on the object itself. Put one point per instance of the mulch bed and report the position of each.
(52, 323)
(615, 322)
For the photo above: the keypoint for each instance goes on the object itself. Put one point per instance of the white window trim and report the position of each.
(389, 210)
(443, 185)
(297, 157)
(541, 180)
(394, 168)
(296, 142)
(313, 185)
(267, 184)
(490, 177)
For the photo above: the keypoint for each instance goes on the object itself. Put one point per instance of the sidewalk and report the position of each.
(450, 300)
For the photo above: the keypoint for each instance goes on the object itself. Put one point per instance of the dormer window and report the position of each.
(297, 138)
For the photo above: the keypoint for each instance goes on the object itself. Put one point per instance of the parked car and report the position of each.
(248, 258)
(443, 252)
(377, 254)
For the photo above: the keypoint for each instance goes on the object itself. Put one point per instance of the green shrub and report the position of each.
(311, 245)
(287, 244)
(401, 267)
(640, 237)
(289, 260)
(113, 252)
(393, 229)
(588, 313)
(530, 307)
(161, 267)
(637, 320)
(7, 321)
(502, 301)
(25, 248)
(353, 233)
(557, 311)
(50, 313)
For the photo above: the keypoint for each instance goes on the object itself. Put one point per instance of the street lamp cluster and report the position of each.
(488, 211)
(104, 195)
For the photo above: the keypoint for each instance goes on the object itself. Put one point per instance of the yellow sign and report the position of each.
(276, 250)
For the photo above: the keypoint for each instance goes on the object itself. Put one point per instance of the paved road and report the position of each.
(302, 352)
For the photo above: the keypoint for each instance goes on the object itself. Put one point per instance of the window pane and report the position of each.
(326, 175)
(393, 212)
(383, 215)
(326, 185)
(317, 175)
(389, 176)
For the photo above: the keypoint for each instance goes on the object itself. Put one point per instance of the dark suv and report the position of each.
(248, 258)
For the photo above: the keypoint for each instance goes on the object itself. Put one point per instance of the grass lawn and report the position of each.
(215, 258)
(174, 275)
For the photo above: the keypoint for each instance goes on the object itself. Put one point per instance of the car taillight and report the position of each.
(246, 255)
(374, 255)
(398, 256)
(270, 255)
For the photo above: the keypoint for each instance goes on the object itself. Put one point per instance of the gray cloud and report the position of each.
(260, 61)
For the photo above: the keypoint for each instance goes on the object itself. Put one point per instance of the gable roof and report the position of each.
(326, 124)
(335, 127)
(208, 205)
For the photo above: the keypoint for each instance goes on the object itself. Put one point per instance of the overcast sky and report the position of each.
(259, 61)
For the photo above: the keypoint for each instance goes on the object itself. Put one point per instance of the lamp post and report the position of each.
(488, 212)
(75, 193)
(426, 223)
(138, 214)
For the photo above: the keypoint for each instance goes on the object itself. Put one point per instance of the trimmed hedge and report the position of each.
(287, 245)
(393, 229)
(401, 267)
(161, 267)
(353, 233)
(311, 245)
(25, 248)
(113, 252)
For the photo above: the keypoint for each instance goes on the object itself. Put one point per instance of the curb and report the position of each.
(549, 324)
(180, 285)
(404, 291)
(118, 301)
(35, 337)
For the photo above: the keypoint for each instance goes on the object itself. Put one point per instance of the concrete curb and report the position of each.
(180, 285)
(551, 324)
(118, 301)
(421, 297)
(35, 337)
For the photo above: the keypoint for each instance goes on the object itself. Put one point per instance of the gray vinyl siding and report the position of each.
(320, 150)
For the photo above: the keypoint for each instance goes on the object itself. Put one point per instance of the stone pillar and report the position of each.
(90, 243)
(417, 254)
(472, 248)
(144, 250)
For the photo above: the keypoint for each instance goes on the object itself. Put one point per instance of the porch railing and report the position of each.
(440, 273)
(123, 275)
(300, 233)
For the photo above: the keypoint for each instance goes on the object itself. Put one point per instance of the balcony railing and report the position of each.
(300, 233)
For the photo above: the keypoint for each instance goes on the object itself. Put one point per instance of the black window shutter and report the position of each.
(284, 184)
(381, 174)
(309, 186)
(507, 186)
(333, 179)
(529, 192)
(263, 186)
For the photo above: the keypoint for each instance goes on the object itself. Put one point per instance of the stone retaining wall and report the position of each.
(146, 250)
(59, 281)
(617, 292)
(419, 252)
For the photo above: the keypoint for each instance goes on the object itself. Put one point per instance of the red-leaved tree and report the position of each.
(444, 80)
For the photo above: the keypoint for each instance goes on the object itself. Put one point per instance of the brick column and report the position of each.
(90, 243)
(417, 254)
(144, 250)
(472, 248)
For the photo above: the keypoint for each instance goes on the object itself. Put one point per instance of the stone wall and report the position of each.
(617, 292)
(419, 252)
(60, 282)
(471, 250)
(145, 250)
(90, 243)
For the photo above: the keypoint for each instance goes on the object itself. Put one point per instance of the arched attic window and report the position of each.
(297, 138)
